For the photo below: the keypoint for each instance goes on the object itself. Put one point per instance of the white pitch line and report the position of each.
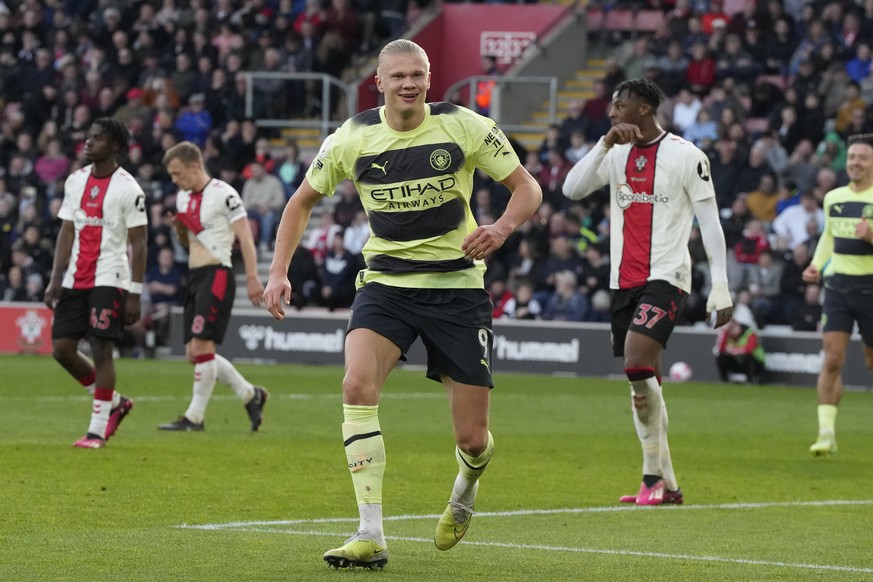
(607, 552)
(257, 526)
(522, 512)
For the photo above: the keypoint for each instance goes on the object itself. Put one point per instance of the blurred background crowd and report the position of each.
(770, 91)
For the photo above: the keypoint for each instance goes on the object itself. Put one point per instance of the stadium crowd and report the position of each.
(770, 93)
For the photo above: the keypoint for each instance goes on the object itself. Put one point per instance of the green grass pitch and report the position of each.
(226, 504)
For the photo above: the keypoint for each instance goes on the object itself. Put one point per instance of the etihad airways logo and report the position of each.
(81, 220)
(625, 196)
(415, 189)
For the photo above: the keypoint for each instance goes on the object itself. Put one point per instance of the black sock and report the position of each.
(650, 480)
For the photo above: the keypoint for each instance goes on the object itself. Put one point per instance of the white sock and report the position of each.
(371, 521)
(470, 469)
(116, 399)
(666, 461)
(205, 373)
(230, 376)
(99, 417)
(646, 400)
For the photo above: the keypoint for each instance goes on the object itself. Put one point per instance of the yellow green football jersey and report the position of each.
(850, 266)
(416, 187)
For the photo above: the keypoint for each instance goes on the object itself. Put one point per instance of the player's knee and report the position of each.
(359, 391)
(474, 443)
(62, 352)
(833, 362)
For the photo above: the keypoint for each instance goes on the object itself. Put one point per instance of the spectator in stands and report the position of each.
(551, 140)
(763, 199)
(523, 305)
(700, 76)
(792, 287)
(289, 168)
(338, 273)
(195, 123)
(749, 178)
(14, 288)
(639, 59)
(596, 108)
(579, 146)
(164, 283)
(348, 204)
(859, 122)
(576, 120)
(321, 237)
(552, 175)
(686, 106)
(566, 303)
(264, 198)
(357, 235)
(672, 66)
(791, 226)
(765, 285)
(500, 295)
(831, 152)
(735, 62)
(808, 317)
(800, 169)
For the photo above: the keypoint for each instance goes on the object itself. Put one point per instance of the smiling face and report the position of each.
(859, 165)
(403, 78)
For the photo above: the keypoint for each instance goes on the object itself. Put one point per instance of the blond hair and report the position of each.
(186, 152)
(403, 47)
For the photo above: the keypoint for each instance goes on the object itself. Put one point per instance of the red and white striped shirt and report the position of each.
(652, 189)
(101, 210)
(209, 216)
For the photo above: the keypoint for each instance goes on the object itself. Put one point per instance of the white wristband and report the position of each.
(135, 288)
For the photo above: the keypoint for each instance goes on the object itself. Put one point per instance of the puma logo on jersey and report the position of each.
(383, 167)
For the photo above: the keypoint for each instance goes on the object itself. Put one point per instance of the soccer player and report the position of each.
(845, 254)
(412, 163)
(94, 288)
(658, 183)
(209, 215)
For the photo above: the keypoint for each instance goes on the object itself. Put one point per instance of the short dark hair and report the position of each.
(866, 138)
(117, 133)
(645, 89)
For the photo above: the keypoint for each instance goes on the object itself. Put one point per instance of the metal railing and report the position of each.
(502, 110)
(326, 124)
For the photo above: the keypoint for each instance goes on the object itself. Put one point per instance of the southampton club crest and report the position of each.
(640, 163)
(95, 192)
(440, 159)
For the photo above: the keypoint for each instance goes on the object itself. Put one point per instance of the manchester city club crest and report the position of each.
(640, 163)
(440, 159)
(867, 211)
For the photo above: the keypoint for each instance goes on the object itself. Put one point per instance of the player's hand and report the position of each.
(863, 231)
(278, 291)
(484, 241)
(132, 310)
(52, 294)
(811, 274)
(622, 133)
(256, 290)
(720, 302)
